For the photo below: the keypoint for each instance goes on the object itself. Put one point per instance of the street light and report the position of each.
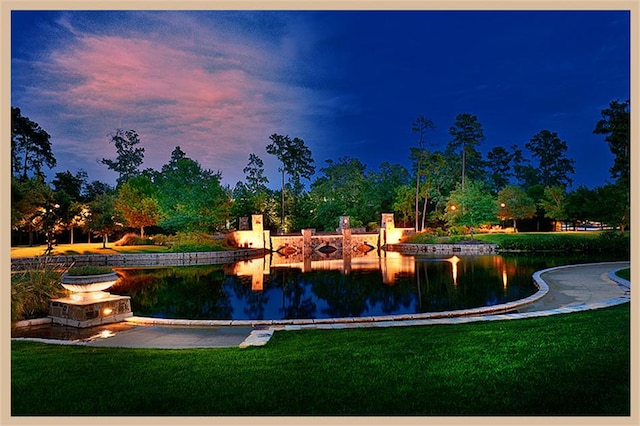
(49, 224)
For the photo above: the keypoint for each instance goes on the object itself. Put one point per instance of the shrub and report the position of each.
(89, 270)
(32, 289)
(133, 240)
(184, 242)
(561, 242)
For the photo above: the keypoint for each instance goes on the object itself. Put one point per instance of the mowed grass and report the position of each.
(571, 364)
(85, 248)
(624, 274)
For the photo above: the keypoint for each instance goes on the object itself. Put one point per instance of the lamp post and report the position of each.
(49, 226)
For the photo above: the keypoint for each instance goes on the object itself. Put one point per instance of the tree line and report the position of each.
(453, 189)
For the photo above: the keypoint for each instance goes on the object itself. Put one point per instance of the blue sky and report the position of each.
(349, 83)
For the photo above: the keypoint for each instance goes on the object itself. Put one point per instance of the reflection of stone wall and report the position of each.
(145, 259)
(442, 248)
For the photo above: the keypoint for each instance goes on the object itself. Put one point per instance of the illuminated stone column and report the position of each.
(387, 225)
(257, 229)
(345, 229)
(306, 249)
(243, 224)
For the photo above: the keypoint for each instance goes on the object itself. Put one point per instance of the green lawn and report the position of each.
(624, 273)
(85, 248)
(572, 364)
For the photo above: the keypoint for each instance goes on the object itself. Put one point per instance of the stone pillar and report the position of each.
(345, 222)
(306, 249)
(346, 250)
(387, 224)
(256, 223)
(388, 221)
(345, 228)
(257, 229)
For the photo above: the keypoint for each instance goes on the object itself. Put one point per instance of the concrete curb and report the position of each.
(265, 329)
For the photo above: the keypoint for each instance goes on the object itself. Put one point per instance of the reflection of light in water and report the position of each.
(104, 334)
(254, 268)
(454, 270)
(504, 277)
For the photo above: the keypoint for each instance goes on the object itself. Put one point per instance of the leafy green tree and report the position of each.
(68, 196)
(615, 124)
(524, 172)
(515, 204)
(137, 203)
(437, 183)
(103, 218)
(612, 206)
(339, 191)
(29, 200)
(579, 205)
(471, 206)
(380, 190)
(499, 167)
(253, 196)
(254, 172)
(94, 189)
(129, 156)
(191, 198)
(553, 168)
(420, 126)
(553, 203)
(467, 134)
(404, 204)
(30, 146)
(296, 160)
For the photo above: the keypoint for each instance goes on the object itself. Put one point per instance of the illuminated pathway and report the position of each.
(562, 290)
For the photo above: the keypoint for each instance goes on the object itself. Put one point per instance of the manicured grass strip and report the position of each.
(85, 248)
(624, 274)
(572, 364)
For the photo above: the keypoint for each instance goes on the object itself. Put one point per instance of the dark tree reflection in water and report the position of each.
(411, 285)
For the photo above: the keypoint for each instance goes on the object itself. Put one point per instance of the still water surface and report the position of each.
(385, 284)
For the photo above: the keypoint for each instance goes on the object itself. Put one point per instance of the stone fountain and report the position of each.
(88, 304)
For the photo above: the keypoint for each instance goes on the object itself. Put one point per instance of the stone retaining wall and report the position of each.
(144, 259)
(442, 248)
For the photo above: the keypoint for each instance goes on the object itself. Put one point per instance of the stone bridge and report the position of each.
(310, 245)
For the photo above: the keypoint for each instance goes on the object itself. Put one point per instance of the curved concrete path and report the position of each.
(568, 289)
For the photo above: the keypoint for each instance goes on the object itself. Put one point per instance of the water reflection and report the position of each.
(369, 284)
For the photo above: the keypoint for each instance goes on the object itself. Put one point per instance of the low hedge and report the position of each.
(584, 242)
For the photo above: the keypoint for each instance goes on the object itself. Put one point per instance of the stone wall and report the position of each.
(145, 259)
(480, 248)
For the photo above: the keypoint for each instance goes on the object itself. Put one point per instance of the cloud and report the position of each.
(217, 94)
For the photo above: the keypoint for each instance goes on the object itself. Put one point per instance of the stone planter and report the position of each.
(89, 305)
(88, 283)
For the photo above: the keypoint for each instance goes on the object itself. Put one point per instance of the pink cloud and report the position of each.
(220, 102)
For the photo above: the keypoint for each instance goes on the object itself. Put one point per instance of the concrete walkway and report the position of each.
(566, 289)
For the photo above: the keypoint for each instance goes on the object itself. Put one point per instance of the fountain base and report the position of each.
(89, 309)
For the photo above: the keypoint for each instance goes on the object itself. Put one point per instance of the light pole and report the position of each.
(49, 226)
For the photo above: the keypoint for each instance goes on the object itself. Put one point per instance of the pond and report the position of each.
(275, 288)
